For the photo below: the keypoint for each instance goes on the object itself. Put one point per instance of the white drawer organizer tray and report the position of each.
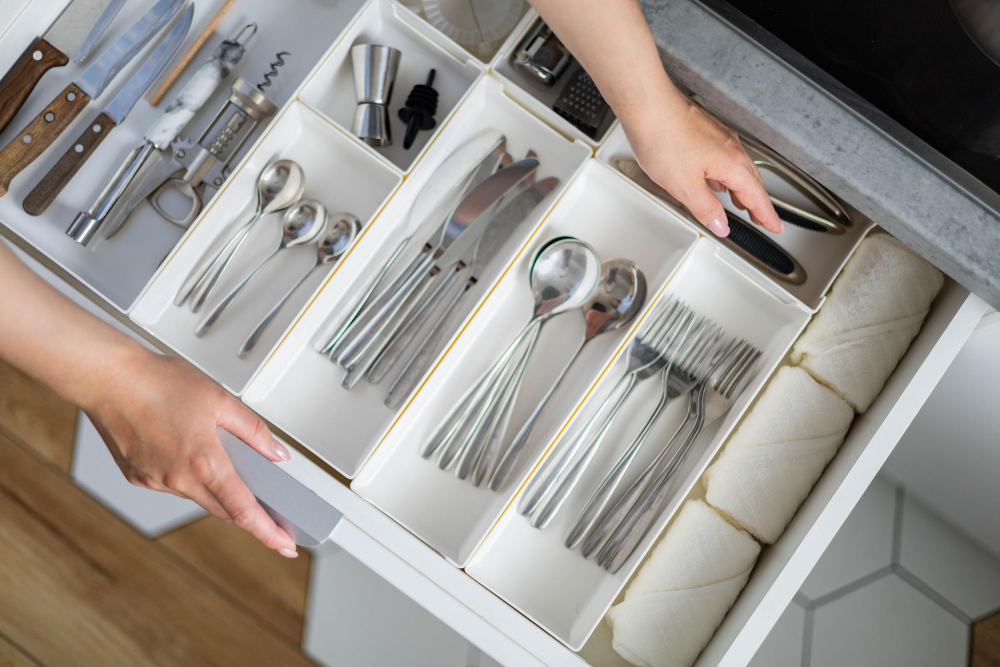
(522, 598)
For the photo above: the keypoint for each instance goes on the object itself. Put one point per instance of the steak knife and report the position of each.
(70, 37)
(49, 124)
(63, 171)
(463, 229)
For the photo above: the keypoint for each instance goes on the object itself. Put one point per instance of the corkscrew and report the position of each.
(206, 163)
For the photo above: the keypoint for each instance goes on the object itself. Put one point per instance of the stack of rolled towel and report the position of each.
(771, 462)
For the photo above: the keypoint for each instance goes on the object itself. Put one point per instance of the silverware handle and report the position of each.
(396, 344)
(559, 461)
(555, 500)
(599, 536)
(463, 410)
(421, 358)
(486, 465)
(591, 512)
(365, 299)
(214, 276)
(210, 319)
(637, 522)
(371, 331)
(492, 412)
(499, 477)
(199, 274)
(251, 342)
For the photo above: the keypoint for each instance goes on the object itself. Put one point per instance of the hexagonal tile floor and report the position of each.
(898, 586)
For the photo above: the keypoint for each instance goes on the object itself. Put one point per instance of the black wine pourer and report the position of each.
(418, 113)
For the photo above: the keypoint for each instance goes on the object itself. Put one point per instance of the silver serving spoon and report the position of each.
(619, 297)
(341, 231)
(279, 185)
(564, 272)
(300, 225)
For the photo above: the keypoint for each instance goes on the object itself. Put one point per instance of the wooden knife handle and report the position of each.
(23, 76)
(40, 133)
(63, 171)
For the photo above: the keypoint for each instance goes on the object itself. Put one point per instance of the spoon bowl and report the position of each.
(564, 274)
(341, 231)
(619, 296)
(279, 186)
(302, 224)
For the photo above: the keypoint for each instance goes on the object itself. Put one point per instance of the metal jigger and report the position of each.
(374, 73)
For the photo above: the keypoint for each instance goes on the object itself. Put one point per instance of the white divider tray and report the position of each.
(338, 172)
(532, 569)
(300, 390)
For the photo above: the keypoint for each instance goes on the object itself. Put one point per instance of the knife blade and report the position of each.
(467, 218)
(47, 189)
(71, 37)
(56, 117)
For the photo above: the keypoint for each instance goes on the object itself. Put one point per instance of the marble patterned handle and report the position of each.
(195, 94)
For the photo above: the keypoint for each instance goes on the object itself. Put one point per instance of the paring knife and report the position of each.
(49, 124)
(749, 243)
(80, 150)
(462, 231)
(71, 37)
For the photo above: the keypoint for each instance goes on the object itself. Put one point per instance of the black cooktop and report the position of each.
(933, 66)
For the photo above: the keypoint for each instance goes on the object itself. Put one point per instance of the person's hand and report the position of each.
(158, 415)
(687, 150)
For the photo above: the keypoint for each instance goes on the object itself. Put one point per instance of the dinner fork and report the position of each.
(679, 377)
(646, 357)
(711, 399)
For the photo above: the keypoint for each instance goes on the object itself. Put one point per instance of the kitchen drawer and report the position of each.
(380, 187)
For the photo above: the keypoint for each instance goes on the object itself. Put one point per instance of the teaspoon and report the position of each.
(279, 186)
(342, 230)
(300, 225)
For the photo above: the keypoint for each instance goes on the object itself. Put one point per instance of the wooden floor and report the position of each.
(79, 586)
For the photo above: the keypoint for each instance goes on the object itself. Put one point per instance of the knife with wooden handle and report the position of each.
(45, 192)
(32, 141)
(70, 38)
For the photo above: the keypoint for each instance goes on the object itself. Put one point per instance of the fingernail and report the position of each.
(281, 451)
(288, 553)
(781, 225)
(719, 226)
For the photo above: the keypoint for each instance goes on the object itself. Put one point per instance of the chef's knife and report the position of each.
(70, 37)
(63, 171)
(463, 229)
(43, 130)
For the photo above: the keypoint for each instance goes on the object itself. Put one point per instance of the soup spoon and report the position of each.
(619, 297)
(563, 274)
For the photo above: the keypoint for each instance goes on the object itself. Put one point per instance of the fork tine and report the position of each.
(680, 330)
(744, 352)
(700, 365)
(744, 375)
(660, 319)
(691, 342)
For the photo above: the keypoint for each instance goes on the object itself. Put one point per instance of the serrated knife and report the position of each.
(71, 37)
(63, 171)
(39, 134)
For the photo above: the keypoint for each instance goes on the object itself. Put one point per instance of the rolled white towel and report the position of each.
(874, 310)
(682, 592)
(774, 458)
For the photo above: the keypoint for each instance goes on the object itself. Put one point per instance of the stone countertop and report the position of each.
(761, 85)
